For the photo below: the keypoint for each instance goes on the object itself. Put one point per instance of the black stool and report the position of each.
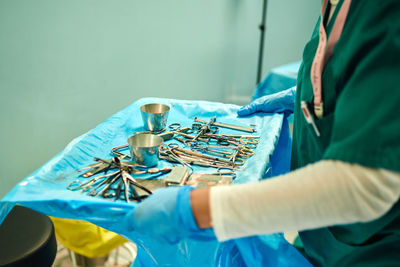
(27, 239)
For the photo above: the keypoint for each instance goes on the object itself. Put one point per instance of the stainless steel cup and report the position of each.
(144, 148)
(154, 116)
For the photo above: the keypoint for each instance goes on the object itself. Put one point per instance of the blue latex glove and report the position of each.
(282, 101)
(167, 215)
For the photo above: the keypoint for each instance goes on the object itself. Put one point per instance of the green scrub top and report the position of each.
(361, 125)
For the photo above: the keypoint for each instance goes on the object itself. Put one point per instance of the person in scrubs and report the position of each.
(342, 194)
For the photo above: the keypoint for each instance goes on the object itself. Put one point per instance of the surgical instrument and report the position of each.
(229, 126)
(77, 184)
(204, 128)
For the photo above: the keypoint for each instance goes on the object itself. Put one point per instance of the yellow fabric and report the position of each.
(86, 238)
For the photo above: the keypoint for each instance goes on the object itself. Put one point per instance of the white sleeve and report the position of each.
(321, 194)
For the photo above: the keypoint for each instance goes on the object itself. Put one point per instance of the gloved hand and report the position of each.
(282, 101)
(167, 215)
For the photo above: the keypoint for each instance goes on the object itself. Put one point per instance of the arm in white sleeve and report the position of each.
(322, 194)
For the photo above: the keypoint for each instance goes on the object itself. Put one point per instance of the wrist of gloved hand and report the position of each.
(186, 217)
(167, 215)
(281, 102)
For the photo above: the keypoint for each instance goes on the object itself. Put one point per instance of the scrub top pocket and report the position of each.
(316, 145)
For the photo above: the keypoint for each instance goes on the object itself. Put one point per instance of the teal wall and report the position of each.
(65, 66)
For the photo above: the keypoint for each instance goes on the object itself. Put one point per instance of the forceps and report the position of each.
(173, 146)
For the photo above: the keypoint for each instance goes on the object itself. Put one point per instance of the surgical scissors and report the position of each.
(177, 128)
(172, 146)
(132, 182)
(108, 183)
(77, 184)
(221, 150)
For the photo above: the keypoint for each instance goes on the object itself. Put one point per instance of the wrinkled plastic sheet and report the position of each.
(45, 189)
